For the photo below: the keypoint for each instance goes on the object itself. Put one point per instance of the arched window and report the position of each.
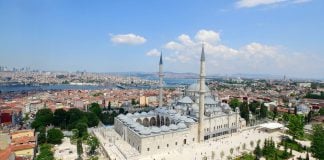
(167, 121)
(146, 122)
(158, 121)
(162, 121)
(139, 121)
(153, 121)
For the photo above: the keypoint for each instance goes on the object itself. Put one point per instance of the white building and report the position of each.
(192, 119)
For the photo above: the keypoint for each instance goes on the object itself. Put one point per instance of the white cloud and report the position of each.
(255, 3)
(153, 52)
(301, 1)
(128, 39)
(207, 36)
(173, 45)
(183, 55)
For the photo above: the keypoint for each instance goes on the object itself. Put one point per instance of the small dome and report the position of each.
(181, 125)
(183, 118)
(173, 127)
(150, 113)
(136, 114)
(145, 131)
(155, 129)
(217, 109)
(210, 101)
(178, 107)
(165, 128)
(189, 120)
(129, 115)
(172, 111)
(139, 128)
(143, 113)
(134, 125)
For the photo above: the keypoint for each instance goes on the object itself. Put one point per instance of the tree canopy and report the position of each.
(54, 136)
(317, 144)
(296, 126)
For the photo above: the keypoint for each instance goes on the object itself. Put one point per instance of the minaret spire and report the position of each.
(202, 96)
(161, 81)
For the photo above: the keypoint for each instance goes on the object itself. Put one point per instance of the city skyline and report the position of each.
(251, 37)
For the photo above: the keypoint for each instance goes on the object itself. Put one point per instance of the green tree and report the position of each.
(74, 116)
(258, 151)
(321, 111)
(109, 105)
(296, 126)
(121, 110)
(59, 119)
(133, 102)
(233, 103)
(75, 135)
(93, 143)
(82, 128)
(92, 118)
(79, 148)
(285, 117)
(244, 112)
(263, 111)
(222, 154)
(95, 108)
(54, 136)
(43, 117)
(45, 152)
(231, 150)
(253, 106)
(317, 144)
(41, 138)
(275, 113)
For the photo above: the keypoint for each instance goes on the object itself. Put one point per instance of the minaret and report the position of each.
(161, 81)
(201, 97)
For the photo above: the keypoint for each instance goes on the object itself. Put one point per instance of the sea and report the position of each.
(168, 82)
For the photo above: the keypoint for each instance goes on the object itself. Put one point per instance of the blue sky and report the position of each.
(243, 36)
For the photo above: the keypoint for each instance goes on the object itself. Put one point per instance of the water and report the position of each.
(21, 88)
(168, 82)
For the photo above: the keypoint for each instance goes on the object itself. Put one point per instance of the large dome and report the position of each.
(195, 88)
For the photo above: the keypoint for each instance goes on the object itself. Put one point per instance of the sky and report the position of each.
(273, 37)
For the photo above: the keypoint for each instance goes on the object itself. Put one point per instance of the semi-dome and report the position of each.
(150, 113)
(139, 128)
(181, 125)
(143, 113)
(165, 128)
(189, 120)
(155, 129)
(134, 125)
(185, 100)
(145, 131)
(217, 109)
(173, 127)
(210, 101)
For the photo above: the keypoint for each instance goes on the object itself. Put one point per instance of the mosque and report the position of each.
(196, 117)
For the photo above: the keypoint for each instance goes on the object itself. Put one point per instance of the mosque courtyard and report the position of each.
(220, 147)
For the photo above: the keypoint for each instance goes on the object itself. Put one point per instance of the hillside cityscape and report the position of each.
(162, 80)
